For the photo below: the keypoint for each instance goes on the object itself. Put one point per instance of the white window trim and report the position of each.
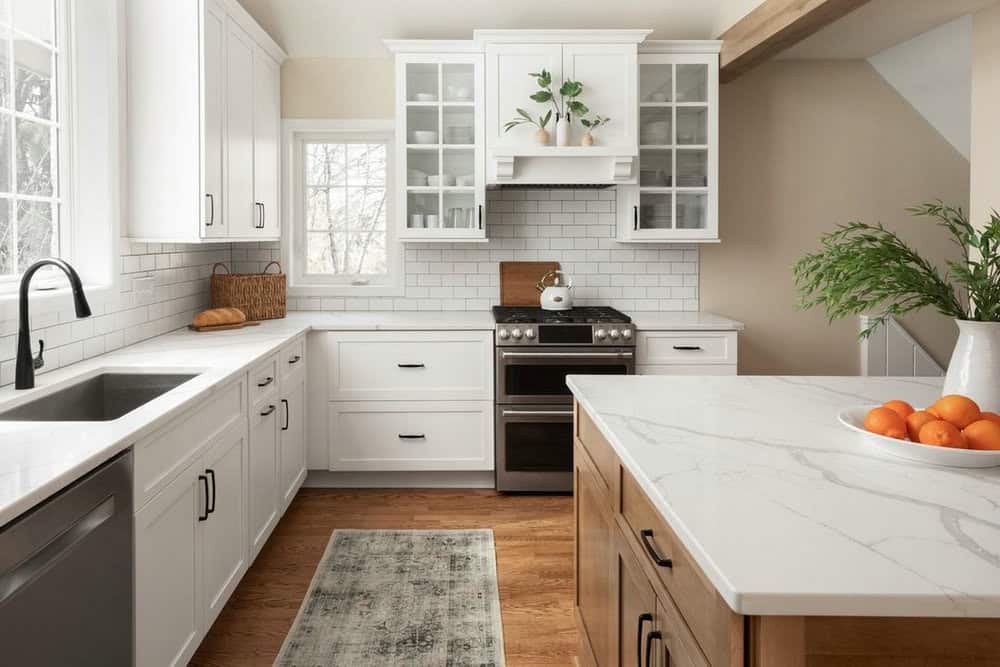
(91, 158)
(294, 131)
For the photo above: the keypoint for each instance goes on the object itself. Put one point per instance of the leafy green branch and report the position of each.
(597, 121)
(862, 268)
(525, 118)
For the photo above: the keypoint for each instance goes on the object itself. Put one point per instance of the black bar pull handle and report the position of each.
(655, 635)
(411, 436)
(635, 218)
(263, 215)
(270, 409)
(266, 382)
(294, 360)
(204, 480)
(646, 536)
(480, 216)
(211, 209)
(210, 507)
(687, 348)
(411, 365)
(643, 619)
(284, 402)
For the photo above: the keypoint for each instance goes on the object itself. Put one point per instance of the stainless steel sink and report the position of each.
(100, 398)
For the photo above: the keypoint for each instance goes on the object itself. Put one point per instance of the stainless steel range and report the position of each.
(535, 351)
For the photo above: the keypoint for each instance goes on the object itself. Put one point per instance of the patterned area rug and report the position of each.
(400, 597)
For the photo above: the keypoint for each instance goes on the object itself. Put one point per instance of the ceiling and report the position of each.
(880, 24)
(341, 29)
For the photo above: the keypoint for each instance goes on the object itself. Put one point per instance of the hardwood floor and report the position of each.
(534, 543)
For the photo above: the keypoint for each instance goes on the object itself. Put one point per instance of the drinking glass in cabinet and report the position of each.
(655, 126)
(420, 164)
(692, 125)
(459, 126)
(422, 210)
(692, 168)
(460, 210)
(691, 210)
(656, 168)
(656, 83)
(460, 166)
(459, 82)
(692, 83)
(421, 82)
(656, 210)
(422, 125)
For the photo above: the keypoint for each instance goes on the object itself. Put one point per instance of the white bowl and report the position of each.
(424, 137)
(854, 420)
(466, 180)
(425, 97)
(438, 180)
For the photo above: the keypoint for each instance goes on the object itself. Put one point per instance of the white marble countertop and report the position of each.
(789, 513)
(682, 321)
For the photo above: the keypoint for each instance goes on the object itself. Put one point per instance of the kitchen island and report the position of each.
(733, 520)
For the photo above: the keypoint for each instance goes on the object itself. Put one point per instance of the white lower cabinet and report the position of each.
(263, 472)
(292, 442)
(686, 352)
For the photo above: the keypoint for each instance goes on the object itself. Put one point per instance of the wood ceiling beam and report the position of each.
(774, 26)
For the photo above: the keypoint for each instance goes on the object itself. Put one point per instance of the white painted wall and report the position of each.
(933, 71)
(731, 11)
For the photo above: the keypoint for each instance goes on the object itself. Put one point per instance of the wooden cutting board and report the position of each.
(518, 280)
(224, 327)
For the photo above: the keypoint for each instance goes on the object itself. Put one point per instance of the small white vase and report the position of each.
(974, 370)
(562, 130)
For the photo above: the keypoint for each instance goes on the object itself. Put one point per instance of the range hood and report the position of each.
(548, 166)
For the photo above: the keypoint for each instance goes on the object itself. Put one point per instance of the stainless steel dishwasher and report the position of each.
(66, 575)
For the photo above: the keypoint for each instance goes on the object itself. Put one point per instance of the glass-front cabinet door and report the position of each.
(440, 139)
(676, 198)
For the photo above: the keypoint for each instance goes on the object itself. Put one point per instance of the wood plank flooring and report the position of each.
(534, 543)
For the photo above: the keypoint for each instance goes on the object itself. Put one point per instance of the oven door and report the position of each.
(539, 375)
(534, 448)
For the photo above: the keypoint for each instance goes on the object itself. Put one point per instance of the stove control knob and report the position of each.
(503, 334)
(615, 334)
(529, 333)
(626, 334)
(516, 333)
(600, 334)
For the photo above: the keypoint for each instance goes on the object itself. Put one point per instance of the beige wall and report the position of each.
(806, 145)
(337, 88)
(985, 113)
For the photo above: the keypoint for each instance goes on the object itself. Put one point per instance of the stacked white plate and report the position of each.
(440, 180)
(415, 177)
(423, 137)
(458, 135)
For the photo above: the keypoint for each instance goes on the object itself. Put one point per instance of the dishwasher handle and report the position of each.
(37, 563)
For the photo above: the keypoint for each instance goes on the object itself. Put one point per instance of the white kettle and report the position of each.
(555, 287)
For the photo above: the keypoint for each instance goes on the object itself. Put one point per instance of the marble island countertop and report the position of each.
(789, 513)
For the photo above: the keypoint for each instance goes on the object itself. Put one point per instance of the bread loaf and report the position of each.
(218, 316)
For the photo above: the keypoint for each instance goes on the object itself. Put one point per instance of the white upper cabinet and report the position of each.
(439, 143)
(608, 90)
(676, 197)
(509, 88)
(203, 116)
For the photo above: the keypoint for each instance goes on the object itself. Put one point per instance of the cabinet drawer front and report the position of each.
(162, 455)
(411, 436)
(674, 347)
(292, 357)
(263, 379)
(709, 618)
(411, 366)
(600, 451)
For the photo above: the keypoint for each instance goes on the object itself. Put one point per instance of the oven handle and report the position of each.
(536, 413)
(563, 355)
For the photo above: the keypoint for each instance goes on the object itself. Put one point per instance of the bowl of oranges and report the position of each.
(952, 432)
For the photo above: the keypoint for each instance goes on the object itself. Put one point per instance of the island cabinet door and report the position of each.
(635, 610)
(672, 644)
(595, 559)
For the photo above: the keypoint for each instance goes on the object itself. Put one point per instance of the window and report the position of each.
(30, 135)
(343, 241)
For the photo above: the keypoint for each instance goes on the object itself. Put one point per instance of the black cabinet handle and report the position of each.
(270, 409)
(411, 365)
(646, 535)
(211, 508)
(204, 480)
(266, 382)
(643, 618)
(654, 635)
(294, 360)
(284, 402)
(263, 215)
(480, 216)
(635, 218)
(211, 209)
(687, 348)
(411, 436)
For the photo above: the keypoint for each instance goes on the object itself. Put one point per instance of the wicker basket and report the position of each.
(262, 296)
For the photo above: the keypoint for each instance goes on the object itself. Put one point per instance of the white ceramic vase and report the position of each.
(974, 370)
(562, 130)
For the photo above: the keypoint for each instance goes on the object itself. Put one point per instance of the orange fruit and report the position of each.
(932, 410)
(943, 434)
(983, 434)
(903, 408)
(990, 416)
(957, 409)
(885, 422)
(915, 421)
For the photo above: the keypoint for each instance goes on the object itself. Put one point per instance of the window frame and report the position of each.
(293, 239)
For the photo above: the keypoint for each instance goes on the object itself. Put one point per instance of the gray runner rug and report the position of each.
(400, 597)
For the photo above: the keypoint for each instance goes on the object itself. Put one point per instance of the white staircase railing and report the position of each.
(891, 350)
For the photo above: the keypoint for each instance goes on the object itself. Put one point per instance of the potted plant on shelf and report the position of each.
(566, 104)
(542, 136)
(863, 268)
(591, 125)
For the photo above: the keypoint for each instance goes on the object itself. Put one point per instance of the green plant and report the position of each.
(863, 268)
(568, 92)
(526, 118)
(592, 125)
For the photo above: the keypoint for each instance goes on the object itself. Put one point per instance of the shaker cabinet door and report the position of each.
(239, 133)
(266, 133)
